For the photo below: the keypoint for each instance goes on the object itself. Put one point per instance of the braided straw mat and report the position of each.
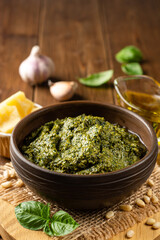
(93, 224)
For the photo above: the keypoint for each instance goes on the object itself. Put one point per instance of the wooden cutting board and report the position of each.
(10, 229)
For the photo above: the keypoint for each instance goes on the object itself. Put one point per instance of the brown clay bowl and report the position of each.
(84, 191)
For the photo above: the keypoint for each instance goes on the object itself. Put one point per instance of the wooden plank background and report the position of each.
(81, 37)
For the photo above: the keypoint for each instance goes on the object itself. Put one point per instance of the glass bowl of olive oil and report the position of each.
(140, 94)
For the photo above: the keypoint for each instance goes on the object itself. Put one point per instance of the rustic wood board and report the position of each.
(10, 224)
(10, 229)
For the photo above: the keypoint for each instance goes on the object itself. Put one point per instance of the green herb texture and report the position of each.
(82, 145)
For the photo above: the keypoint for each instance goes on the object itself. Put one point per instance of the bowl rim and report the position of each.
(154, 146)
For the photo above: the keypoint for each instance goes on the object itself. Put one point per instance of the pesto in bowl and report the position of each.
(83, 145)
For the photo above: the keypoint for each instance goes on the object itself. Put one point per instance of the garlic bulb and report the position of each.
(36, 68)
(63, 90)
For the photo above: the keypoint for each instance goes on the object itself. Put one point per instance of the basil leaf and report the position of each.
(35, 216)
(129, 54)
(132, 69)
(97, 79)
(47, 229)
(45, 213)
(62, 223)
(32, 215)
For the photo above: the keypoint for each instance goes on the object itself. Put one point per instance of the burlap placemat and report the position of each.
(93, 224)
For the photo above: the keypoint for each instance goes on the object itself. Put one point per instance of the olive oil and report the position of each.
(146, 105)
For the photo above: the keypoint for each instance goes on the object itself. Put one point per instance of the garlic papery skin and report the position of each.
(36, 68)
(63, 90)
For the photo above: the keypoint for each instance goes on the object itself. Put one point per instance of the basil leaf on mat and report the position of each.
(36, 216)
(132, 68)
(129, 54)
(47, 229)
(31, 215)
(46, 211)
(62, 223)
(97, 79)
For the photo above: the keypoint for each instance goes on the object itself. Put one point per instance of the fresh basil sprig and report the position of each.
(97, 79)
(32, 215)
(129, 54)
(36, 216)
(47, 229)
(62, 223)
(132, 68)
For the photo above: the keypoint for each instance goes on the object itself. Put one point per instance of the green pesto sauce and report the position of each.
(83, 145)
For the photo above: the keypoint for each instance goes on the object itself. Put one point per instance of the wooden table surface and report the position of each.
(81, 36)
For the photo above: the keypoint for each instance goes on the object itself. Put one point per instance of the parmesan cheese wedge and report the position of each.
(12, 110)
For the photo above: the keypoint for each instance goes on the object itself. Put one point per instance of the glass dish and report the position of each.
(140, 94)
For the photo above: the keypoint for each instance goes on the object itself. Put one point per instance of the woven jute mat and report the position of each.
(93, 224)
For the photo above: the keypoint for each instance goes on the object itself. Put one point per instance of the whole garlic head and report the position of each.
(36, 68)
(63, 90)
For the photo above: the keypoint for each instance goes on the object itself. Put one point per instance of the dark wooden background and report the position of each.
(81, 36)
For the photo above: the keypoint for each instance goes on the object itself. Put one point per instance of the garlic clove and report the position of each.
(36, 68)
(63, 90)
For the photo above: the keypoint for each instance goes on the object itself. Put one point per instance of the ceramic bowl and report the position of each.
(84, 191)
(5, 140)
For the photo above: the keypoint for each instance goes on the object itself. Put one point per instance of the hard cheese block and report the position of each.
(12, 110)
